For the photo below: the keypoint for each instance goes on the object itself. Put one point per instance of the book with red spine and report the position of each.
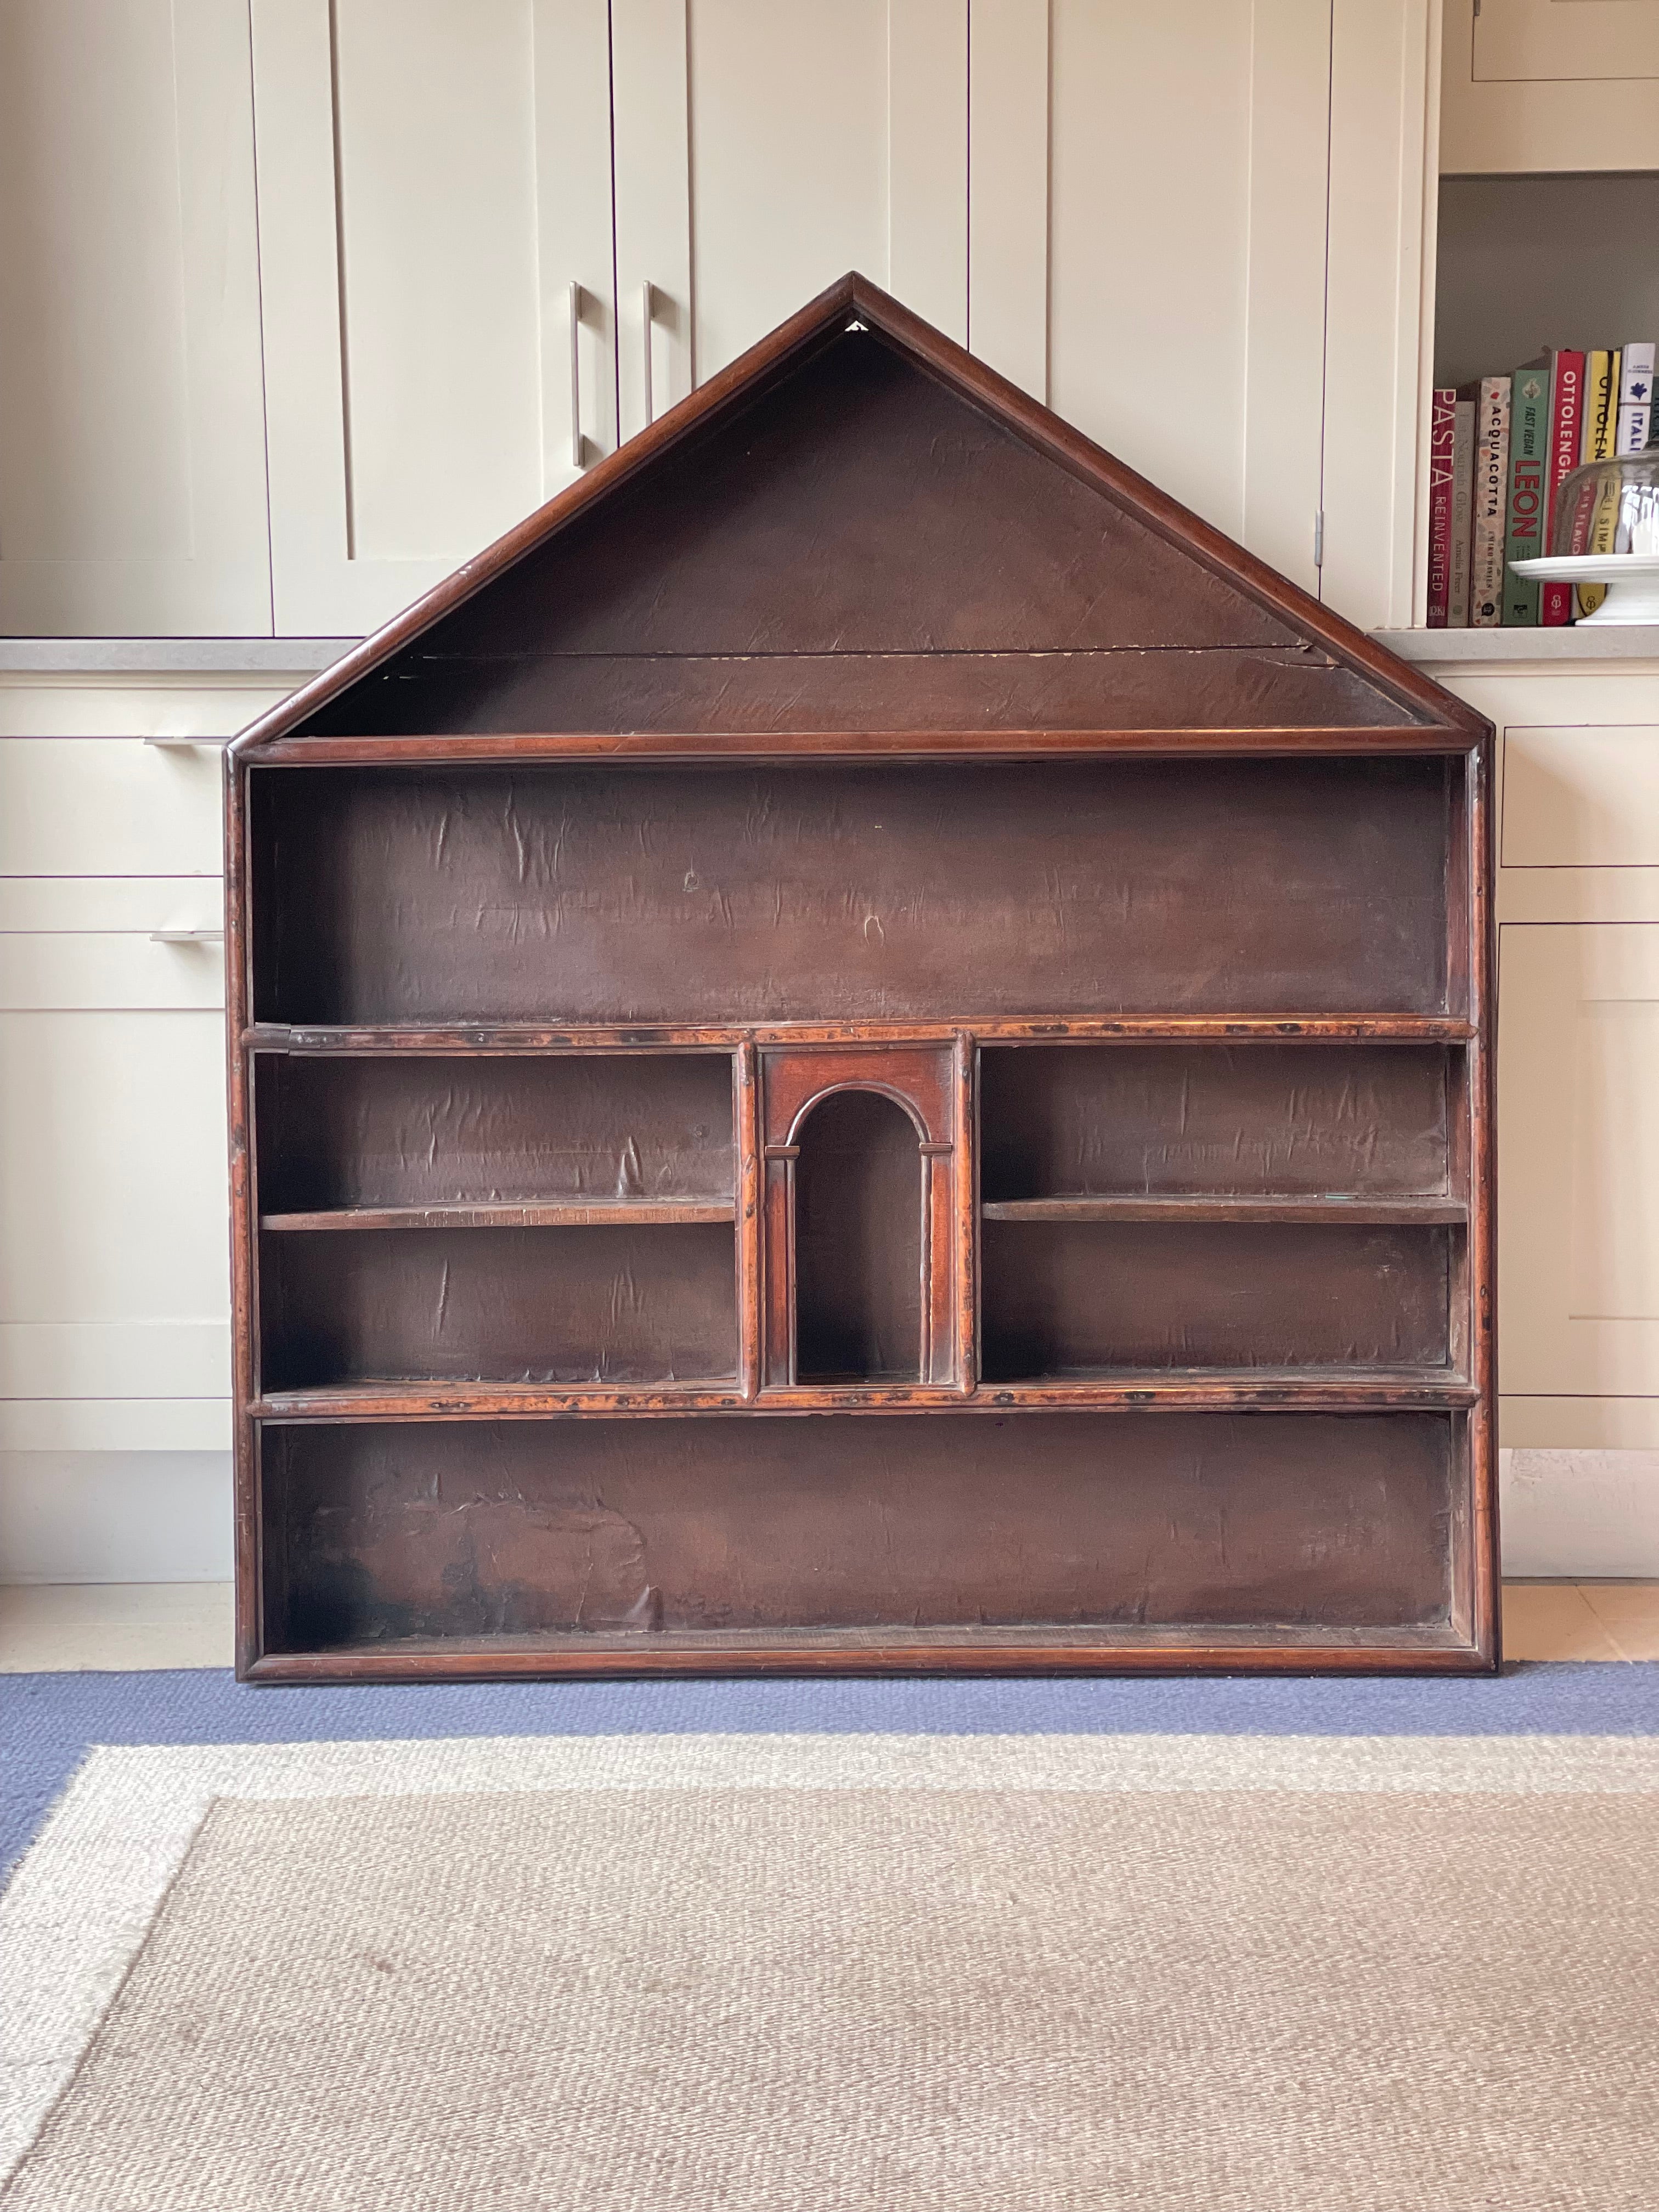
(1443, 428)
(1566, 428)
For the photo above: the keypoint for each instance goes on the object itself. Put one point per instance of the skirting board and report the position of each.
(165, 1516)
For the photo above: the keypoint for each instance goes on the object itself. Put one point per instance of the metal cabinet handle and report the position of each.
(647, 302)
(187, 937)
(575, 376)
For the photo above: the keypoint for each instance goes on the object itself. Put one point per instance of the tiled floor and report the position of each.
(61, 1628)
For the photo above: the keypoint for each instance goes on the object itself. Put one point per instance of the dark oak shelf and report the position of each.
(1298, 1389)
(1111, 1648)
(1207, 1209)
(439, 1400)
(540, 1214)
(1037, 1029)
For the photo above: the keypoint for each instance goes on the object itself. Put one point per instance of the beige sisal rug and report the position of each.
(939, 1999)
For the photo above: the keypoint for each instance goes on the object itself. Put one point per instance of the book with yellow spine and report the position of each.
(1600, 435)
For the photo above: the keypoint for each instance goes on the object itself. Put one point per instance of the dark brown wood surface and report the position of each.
(351, 1132)
(554, 1528)
(1217, 1119)
(510, 1305)
(1060, 1297)
(861, 742)
(848, 894)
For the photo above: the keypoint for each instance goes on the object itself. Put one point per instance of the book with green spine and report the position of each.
(1530, 407)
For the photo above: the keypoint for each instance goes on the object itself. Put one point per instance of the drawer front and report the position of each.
(91, 970)
(113, 1205)
(109, 806)
(1581, 797)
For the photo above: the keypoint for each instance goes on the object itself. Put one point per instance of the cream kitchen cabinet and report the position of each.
(1169, 226)
(1566, 85)
(435, 259)
(114, 1326)
(132, 456)
(1578, 909)
(303, 305)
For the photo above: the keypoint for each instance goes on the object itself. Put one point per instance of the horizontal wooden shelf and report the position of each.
(1112, 1648)
(1283, 1389)
(541, 1213)
(1197, 1208)
(648, 1037)
(1299, 1389)
(691, 746)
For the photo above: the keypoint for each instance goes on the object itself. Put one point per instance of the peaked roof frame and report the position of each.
(1441, 720)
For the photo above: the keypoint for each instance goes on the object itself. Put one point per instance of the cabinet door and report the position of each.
(1578, 1223)
(1549, 85)
(435, 253)
(764, 148)
(1546, 39)
(1187, 277)
(132, 488)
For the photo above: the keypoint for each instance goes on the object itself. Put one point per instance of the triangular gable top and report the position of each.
(857, 527)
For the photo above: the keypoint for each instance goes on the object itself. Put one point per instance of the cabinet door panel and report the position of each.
(1187, 276)
(1555, 39)
(132, 488)
(1579, 1232)
(764, 147)
(1533, 86)
(433, 180)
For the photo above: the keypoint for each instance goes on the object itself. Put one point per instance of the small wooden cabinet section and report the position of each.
(865, 1047)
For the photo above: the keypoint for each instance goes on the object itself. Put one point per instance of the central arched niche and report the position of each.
(857, 1242)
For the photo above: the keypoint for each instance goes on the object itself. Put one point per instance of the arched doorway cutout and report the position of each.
(860, 1246)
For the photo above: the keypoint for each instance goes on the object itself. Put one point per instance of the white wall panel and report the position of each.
(132, 492)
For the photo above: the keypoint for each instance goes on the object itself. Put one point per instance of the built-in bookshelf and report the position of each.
(1556, 270)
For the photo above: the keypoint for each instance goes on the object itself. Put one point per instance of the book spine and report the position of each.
(1635, 395)
(1528, 500)
(1566, 428)
(1492, 481)
(1462, 514)
(1441, 428)
(1601, 434)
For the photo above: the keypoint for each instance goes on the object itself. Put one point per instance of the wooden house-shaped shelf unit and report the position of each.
(863, 1048)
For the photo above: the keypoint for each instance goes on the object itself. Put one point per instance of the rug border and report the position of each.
(84, 1898)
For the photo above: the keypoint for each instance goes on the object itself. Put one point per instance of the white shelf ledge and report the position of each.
(1572, 647)
(170, 656)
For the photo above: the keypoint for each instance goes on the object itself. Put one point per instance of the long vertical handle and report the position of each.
(647, 302)
(575, 376)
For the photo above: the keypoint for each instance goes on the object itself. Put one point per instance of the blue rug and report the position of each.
(48, 1722)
